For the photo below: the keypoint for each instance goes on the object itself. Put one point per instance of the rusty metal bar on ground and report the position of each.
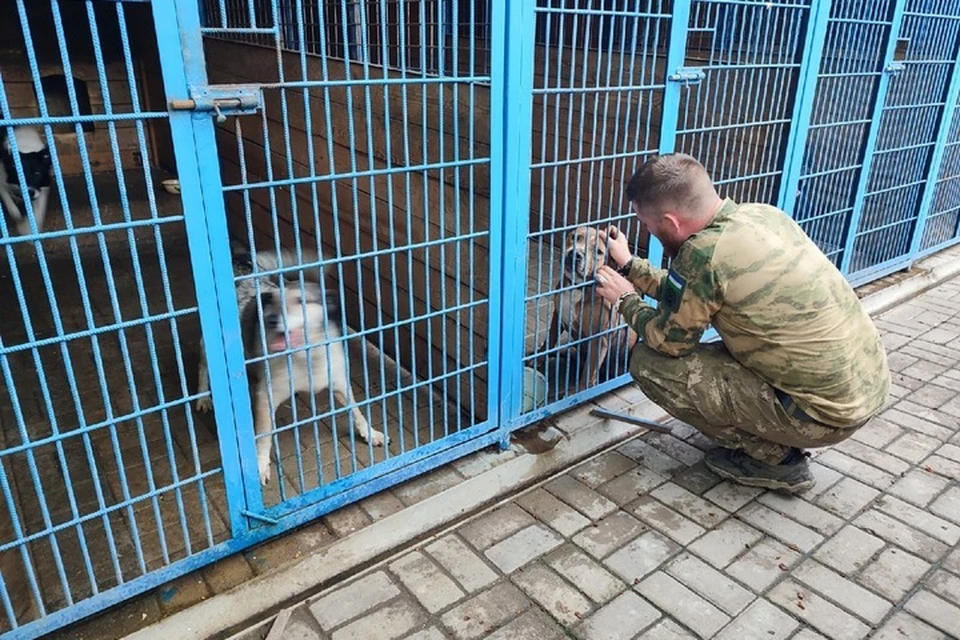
(626, 417)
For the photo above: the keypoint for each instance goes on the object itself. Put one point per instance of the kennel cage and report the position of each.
(438, 152)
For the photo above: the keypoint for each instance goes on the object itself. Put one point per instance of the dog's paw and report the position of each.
(204, 404)
(264, 475)
(376, 438)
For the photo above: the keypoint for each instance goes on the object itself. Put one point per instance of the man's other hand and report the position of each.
(611, 285)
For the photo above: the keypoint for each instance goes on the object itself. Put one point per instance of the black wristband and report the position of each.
(625, 269)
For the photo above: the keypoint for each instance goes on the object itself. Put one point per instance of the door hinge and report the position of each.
(229, 100)
(894, 67)
(687, 75)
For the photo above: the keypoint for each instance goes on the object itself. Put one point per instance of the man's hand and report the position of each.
(611, 285)
(617, 247)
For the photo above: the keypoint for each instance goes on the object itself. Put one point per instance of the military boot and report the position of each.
(792, 475)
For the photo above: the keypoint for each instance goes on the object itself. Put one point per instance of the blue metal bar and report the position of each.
(177, 25)
(879, 98)
(936, 160)
(816, 35)
(510, 145)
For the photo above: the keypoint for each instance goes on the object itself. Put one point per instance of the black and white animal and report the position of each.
(37, 168)
(290, 322)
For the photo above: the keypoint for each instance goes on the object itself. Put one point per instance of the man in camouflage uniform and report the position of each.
(801, 364)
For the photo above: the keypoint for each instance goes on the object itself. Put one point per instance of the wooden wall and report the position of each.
(426, 280)
(19, 87)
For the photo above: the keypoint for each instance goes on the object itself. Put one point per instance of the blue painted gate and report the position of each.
(437, 154)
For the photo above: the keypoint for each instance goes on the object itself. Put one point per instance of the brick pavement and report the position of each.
(642, 541)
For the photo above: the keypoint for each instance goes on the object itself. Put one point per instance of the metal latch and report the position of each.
(894, 67)
(687, 75)
(226, 100)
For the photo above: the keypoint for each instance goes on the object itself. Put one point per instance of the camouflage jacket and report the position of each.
(781, 307)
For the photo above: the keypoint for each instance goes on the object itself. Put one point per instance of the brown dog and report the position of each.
(580, 313)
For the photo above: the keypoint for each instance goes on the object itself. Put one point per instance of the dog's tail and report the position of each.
(287, 258)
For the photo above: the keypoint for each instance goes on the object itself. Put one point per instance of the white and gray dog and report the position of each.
(37, 169)
(300, 325)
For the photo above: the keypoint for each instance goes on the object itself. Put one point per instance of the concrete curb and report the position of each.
(942, 267)
(255, 600)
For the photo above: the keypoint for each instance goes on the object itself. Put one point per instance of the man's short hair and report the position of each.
(673, 181)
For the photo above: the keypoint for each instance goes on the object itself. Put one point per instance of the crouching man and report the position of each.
(800, 365)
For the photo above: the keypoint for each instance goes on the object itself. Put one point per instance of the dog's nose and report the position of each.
(573, 259)
(272, 321)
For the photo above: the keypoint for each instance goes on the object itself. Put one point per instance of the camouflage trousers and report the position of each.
(709, 390)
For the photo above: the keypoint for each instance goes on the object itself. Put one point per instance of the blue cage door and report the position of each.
(358, 144)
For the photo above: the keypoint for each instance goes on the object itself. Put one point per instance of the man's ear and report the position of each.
(672, 222)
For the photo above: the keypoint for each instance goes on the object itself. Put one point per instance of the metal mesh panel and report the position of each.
(105, 475)
(909, 125)
(850, 69)
(385, 170)
(736, 121)
(943, 221)
(598, 81)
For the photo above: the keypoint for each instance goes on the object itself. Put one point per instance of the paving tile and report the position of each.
(602, 469)
(626, 488)
(824, 478)
(731, 496)
(622, 619)
(948, 505)
(523, 547)
(903, 626)
(664, 519)
(919, 418)
(182, 593)
(913, 447)
(532, 625)
(553, 594)
(919, 487)
(641, 556)
(430, 633)
(353, 600)
(675, 448)
(952, 562)
(652, 458)
(718, 589)
(495, 526)
(765, 563)
(946, 585)
(728, 540)
(900, 534)
(875, 457)
(300, 626)
(868, 474)
(803, 512)
(697, 479)
(703, 512)
(461, 562)
(935, 611)
(949, 451)
(849, 550)
(921, 519)
(387, 622)
(942, 466)
(780, 527)
(932, 395)
(487, 610)
(581, 497)
(841, 591)
(609, 534)
(817, 611)
(666, 629)
(558, 515)
(683, 604)
(433, 589)
(847, 497)
(381, 505)
(580, 569)
(894, 573)
(760, 620)
(346, 520)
